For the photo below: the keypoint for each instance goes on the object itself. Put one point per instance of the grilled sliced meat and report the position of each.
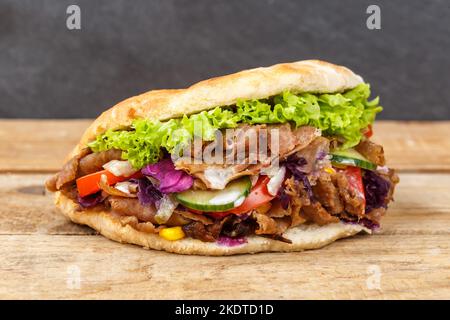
(198, 230)
(316, 213)
(393, 178)
(132, 207)
(327, 194)
(194, 216)
(94, 162)
(297, 198)
(372, 151)
(68, 173)
(317, 149)
(267, 225)
(353, 203)
(376, 214)
(146, 227)
(80, 165)
(207, 233)
(238, 226)
(216, 176)
(293, 140)
(277, 210)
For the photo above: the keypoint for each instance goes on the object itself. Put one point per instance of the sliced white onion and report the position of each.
(120, 168)
(275, 182)
(104, 185)
(126, 186)
(165, 206)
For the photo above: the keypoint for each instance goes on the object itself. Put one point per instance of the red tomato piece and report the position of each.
(258, 196)
(354, 177)
(88, 184)
(369, 131)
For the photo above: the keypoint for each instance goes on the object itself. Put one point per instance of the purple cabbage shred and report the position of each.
(231, 242)
(91, 200)
(295, 167)
(147, 192)
(376, 189)
(284, 198)
(170, 179)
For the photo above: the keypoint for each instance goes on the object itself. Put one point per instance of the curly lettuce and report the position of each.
(339, 114)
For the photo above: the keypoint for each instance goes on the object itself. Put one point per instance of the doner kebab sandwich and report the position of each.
(263, 160)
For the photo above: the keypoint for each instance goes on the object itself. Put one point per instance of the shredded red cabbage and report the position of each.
(147, 193)
(295, 167)
(296, 164)
(321, 155)
(170, 179)
(91, 200)
(284, 198)
(376, 189)
(231, 242)
(369, 224)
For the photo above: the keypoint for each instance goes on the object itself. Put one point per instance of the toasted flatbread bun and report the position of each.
(303, 237)
(302, 76)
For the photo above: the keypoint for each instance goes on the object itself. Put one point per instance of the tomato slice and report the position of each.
(369, 131)
(354, 178)
(88, 184)
(258, 196)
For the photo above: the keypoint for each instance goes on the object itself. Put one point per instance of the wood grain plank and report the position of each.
(37, 145)
(415, 146)
(85, 267)
(42, 253)
(26, 208)
(41, 145)
(422, 206)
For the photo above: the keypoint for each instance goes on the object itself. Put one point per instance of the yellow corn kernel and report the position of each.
(330, 170)
(172, 234)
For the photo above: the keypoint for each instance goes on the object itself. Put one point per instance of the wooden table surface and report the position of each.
(43, 255)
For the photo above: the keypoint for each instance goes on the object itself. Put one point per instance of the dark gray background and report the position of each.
(128, 47)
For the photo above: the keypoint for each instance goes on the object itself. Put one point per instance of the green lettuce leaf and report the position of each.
(339, 114)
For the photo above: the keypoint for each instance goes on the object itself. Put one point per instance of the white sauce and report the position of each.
(239, 201)
(275, 182)
(218, 177)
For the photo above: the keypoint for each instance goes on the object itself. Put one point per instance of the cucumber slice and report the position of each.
(233, 195)
(351, 157)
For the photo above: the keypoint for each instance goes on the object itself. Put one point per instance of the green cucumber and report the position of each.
(351, 157)
(216, 200)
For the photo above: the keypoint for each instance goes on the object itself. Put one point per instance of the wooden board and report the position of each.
(46, 256)
(41, 145)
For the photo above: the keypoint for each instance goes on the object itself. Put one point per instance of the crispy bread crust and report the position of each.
(301, 76)
(303, 237)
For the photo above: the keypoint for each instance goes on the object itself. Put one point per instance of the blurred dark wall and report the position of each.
(128, 47)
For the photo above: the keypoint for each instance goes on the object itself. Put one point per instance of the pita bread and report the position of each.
(303, 237)
(302, 76)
